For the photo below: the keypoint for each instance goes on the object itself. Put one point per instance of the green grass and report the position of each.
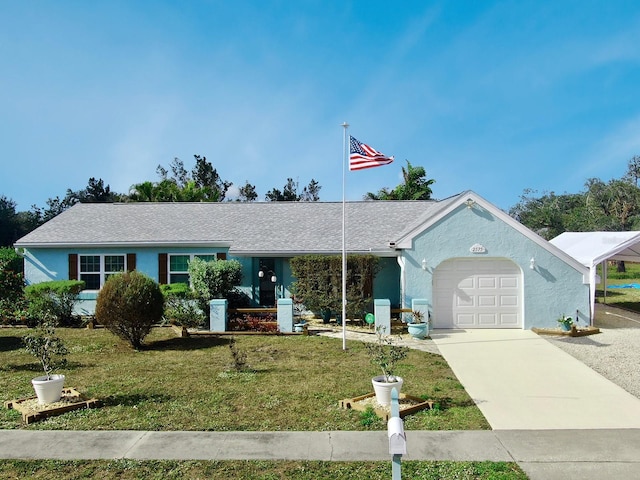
(628, 298)
(296, 383)
(267, 470)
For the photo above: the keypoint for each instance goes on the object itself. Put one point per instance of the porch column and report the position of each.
(285, 315)
(382, 312)
(218, 315)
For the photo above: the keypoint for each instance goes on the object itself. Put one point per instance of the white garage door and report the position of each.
(477, 293)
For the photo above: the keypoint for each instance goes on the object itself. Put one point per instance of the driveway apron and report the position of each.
(522, 382)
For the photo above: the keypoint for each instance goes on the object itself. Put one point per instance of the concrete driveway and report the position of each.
(522, 382)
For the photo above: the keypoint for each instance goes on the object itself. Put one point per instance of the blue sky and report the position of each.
(494, 97)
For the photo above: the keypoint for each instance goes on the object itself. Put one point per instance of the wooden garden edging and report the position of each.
(356, 403)
(574, 332)
(29, 416)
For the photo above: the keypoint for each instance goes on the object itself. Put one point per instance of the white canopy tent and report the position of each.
(593, 248)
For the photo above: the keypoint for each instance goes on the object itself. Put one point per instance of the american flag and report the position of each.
(363, 156)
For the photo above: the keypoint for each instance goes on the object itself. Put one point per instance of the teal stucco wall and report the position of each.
(553, 288)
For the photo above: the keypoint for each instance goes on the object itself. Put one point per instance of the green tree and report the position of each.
(602, 206)
(289, 193)
(11, 285)
(614, 205)
(414, 186)
(94, 192)
(550, 215)
(633, 170)
(202, 184)
(247, 193)
(13, 224)
(8, 222)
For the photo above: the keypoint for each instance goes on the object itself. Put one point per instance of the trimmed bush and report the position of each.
(214, 279)
(53, 301)
(318, 284)
(128, 305)
(181, 306)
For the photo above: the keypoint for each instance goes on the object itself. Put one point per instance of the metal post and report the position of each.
(396, 459)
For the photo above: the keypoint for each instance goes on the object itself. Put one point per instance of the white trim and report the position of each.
(102, 273)
(96, 245)
(191, 257)
(406, 241)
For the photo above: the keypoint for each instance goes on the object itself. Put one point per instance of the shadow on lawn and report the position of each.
(135, 399)
(187, 343)
(36, 367)
(8, 344)
(446, 403)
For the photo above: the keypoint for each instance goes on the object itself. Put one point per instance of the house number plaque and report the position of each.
(477, 248)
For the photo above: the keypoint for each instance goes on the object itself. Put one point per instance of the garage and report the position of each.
(477, 293)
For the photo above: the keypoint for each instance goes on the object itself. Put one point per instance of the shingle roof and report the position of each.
(247, 228)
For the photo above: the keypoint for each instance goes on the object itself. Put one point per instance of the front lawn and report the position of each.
(264, 470)
(176, 383)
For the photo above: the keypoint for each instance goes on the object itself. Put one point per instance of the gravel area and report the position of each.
(615, 352)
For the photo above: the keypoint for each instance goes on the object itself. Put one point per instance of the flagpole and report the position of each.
(345, 125)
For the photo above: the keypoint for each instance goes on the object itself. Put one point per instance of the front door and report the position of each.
(267, 287)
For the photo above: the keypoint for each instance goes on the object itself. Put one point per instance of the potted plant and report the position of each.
(50, 352)
(565, 323)
(418, 327)
(385, 354)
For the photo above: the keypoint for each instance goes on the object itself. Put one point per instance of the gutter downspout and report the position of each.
(403, 279)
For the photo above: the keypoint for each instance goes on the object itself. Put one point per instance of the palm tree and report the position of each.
(415, 186)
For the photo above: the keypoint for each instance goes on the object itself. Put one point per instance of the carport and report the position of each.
(593, 248)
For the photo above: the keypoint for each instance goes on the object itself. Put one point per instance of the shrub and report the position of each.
(10, 260)
(181, 307)
(318, 282)
(214, 279)
(253, 323)
(11, 286)
(128, 305)
(53, 301)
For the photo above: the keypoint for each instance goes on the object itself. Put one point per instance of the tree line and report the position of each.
(600, 206)
(200, 184)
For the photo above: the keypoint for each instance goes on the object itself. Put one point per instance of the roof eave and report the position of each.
(296, 253)
(160, 243)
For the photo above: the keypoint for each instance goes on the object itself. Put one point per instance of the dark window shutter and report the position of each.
(221, 255)
(73, 266)
(162, 269)
(131, 262)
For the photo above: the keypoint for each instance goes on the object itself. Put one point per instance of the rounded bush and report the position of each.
(128, 305)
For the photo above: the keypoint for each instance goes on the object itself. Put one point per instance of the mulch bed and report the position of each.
(406, 405)
(574, 332)
(32, 411)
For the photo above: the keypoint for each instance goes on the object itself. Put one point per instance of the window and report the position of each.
(95, 269)
(179, 266)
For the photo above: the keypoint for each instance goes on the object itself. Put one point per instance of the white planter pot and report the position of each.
(48, 391)
(383, 388)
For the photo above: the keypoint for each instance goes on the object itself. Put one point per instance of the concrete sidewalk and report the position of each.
(522, 382)
(543, 454)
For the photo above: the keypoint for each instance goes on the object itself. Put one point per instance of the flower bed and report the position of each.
(253, 323)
